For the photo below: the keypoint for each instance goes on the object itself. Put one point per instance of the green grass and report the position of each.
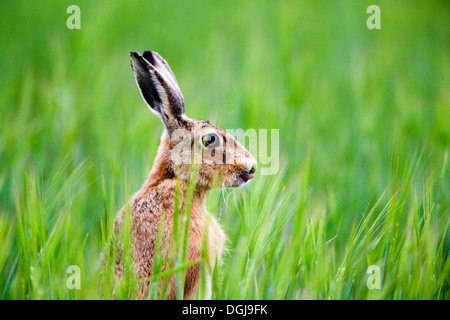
(363, 118)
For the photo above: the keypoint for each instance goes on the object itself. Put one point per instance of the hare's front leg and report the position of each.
(204, 290)
(216, 241)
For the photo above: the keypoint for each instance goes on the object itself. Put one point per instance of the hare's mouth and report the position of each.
(243, 178)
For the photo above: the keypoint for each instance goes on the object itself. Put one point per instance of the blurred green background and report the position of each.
(363, 115)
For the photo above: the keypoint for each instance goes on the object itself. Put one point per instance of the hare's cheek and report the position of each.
(213, 157)
(181, 170)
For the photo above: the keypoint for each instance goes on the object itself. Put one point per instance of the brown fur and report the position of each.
(152, 207)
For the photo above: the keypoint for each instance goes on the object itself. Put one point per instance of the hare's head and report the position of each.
(192, 147)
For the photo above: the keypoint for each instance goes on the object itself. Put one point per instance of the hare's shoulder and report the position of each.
(156, 199)
(147, 205)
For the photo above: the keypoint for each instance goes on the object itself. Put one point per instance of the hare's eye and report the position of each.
(211, 140)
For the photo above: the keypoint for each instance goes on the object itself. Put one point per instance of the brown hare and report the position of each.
(222, 162)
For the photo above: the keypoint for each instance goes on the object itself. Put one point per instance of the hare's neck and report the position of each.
(198, 208)
(162, 168)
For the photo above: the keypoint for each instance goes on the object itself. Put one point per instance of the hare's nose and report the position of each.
(252, 170)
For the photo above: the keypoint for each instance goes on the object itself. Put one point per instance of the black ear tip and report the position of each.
(148, 55)
(134, 54)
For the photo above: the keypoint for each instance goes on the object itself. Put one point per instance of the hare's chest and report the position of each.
(216, 240)
(207, 231)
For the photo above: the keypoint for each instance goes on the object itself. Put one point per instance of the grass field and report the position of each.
(363, 118)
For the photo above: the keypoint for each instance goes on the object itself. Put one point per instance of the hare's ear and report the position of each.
(159, 88)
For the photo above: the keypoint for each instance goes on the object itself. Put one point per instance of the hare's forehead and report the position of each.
(206, 127)
(198, 128)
